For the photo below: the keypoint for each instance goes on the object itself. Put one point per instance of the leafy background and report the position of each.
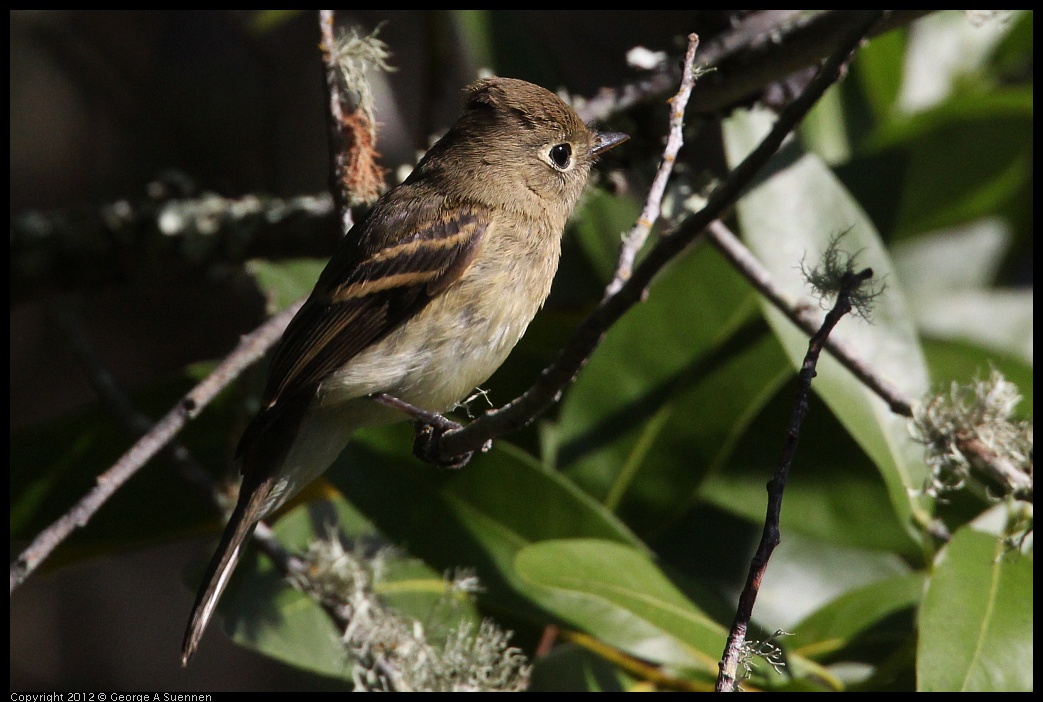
(627, 514)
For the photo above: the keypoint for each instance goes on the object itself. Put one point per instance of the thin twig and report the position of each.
(555, 378)
(635, 239)
(770, 536)
(249, 349)
(996, 469)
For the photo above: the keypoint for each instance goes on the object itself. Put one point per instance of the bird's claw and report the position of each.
(427, 440)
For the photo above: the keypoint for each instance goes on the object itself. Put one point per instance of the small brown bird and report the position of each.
(423, 300)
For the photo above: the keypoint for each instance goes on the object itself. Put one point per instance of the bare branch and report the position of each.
(633, 241)
(726, 679)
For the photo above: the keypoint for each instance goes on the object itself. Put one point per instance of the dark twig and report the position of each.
(770, 536)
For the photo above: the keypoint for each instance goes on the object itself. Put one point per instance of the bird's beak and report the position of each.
(606, 140)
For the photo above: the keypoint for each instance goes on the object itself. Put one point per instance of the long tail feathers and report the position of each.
(240, 527)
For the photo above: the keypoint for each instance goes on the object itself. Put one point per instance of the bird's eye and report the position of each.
(561, 155)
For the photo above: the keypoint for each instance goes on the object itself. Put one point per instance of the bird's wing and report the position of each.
(372, 285)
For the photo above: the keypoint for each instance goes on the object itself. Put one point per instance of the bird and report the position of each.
(423, 299)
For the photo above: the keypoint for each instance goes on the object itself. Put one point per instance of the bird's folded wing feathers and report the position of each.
(379, 286)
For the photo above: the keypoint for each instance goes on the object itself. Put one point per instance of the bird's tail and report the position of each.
(240, 527)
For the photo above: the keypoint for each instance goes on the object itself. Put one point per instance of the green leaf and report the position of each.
(475, 30)
(267, 615)
(966, 158)
(790, 218)
(878, 68)
(947, 274)
(1012, 57)
(976, 623)
(285, 282)
(834, 494)
(644, 422)
(824, 131)
(615, 593)
(572, 668)
(264, 22)
(946, 53)
(877, 617)
(478, 516)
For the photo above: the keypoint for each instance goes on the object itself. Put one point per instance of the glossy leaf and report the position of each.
(976, 626)
(644, 421)
(479, 516)
(285, 282)
(616, 594)
(867, 617)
